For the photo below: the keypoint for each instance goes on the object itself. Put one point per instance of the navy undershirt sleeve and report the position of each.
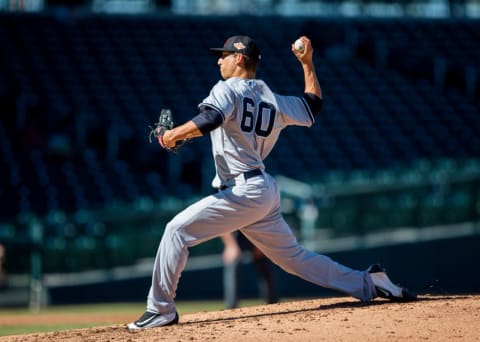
(314, 102)
(207, 120)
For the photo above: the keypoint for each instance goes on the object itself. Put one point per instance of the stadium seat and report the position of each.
(77, 98)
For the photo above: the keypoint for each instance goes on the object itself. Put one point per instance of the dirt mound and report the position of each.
(435, 318)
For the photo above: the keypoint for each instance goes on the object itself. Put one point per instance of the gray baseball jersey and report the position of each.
(253, 117)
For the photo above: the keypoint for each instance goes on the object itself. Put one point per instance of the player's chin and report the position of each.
(224, 74)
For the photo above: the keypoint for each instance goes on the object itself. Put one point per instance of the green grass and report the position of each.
(83, 308)
(133, 309)
(26, 329)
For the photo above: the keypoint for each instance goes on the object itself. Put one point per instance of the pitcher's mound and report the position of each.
(433, 318)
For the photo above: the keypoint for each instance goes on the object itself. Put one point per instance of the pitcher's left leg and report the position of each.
(192, 226)
(210, 217)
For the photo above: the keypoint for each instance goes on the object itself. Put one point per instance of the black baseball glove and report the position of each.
(165, 123)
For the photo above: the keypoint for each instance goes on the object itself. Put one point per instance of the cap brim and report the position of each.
(218, 51)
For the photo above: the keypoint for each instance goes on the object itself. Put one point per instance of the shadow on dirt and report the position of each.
(341, 305)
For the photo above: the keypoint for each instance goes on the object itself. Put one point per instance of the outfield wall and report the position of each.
(443, 266)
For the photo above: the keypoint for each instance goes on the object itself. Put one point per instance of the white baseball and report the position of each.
(299, 45)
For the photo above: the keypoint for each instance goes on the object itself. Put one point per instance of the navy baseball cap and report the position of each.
(241, 44)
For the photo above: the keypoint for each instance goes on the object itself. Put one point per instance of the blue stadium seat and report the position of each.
(108, 77)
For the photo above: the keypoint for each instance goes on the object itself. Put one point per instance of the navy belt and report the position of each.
(246, 175)
(252, 173)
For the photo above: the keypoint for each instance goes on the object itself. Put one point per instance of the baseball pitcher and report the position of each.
(244, 118)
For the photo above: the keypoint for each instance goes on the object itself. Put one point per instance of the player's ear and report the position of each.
(240, 59)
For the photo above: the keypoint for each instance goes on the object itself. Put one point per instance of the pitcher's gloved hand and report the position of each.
(165, 123)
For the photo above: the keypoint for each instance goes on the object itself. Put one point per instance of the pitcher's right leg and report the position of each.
(278, 242)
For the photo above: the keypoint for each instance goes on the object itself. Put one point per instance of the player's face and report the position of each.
(227, 63)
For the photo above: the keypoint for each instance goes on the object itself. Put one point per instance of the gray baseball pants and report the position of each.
(253, 206)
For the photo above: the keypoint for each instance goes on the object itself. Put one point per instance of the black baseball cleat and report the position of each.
(152, 320)
(386, 289)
